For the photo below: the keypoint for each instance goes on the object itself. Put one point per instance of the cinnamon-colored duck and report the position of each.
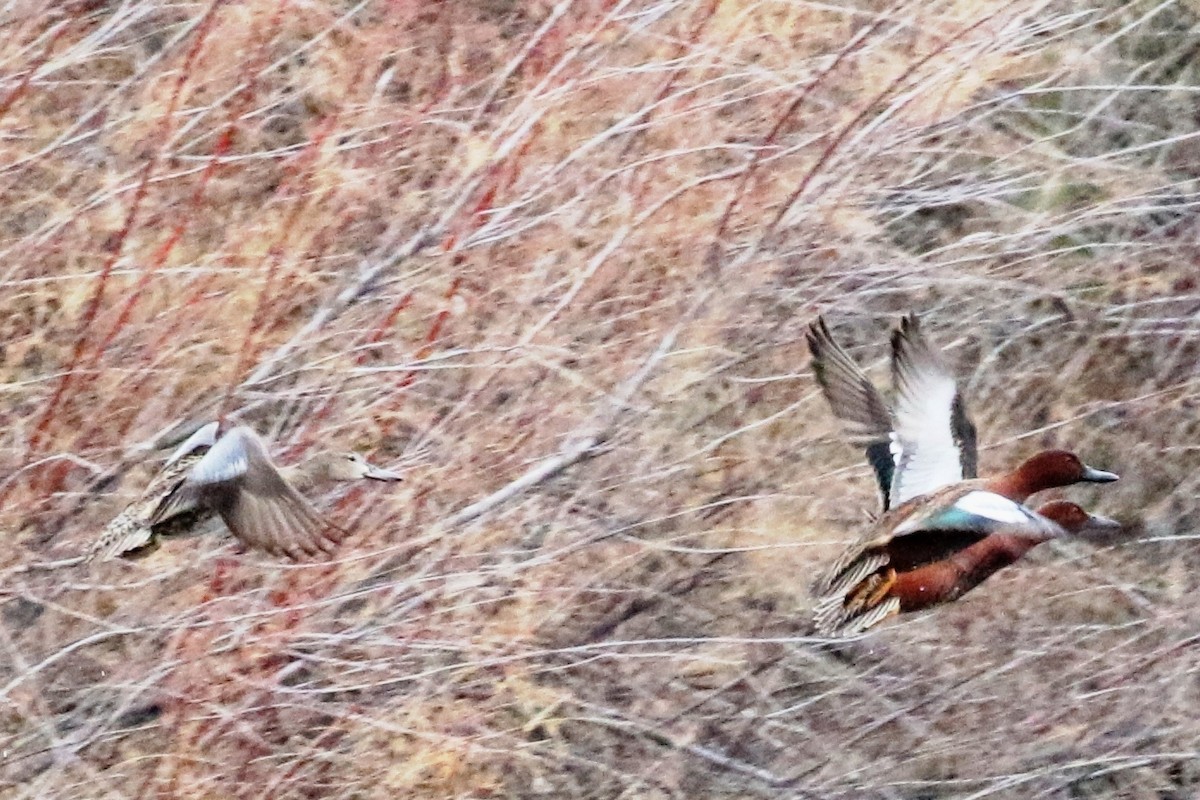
(937, 553)
(947, 531)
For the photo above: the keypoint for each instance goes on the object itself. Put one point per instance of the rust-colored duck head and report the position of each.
(925, 439)
(1049, 469)
(1074, 520)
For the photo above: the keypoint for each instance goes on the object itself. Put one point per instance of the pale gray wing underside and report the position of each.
(934, 437)
(205, 436)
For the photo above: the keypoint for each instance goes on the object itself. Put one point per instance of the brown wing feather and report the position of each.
(854, 400)
(264, 511)
(943, 529)
(878, 541)
(280, 523)
(851, 395)
(237, 479)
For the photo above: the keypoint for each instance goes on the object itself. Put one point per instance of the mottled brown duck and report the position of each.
(230, 474)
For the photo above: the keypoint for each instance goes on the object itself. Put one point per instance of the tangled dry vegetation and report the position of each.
(556, 260)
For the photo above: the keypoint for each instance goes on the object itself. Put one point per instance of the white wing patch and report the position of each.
(981, 511)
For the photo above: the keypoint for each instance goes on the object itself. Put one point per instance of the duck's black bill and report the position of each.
(380, 474)
(1093, 475)
(1099, 524)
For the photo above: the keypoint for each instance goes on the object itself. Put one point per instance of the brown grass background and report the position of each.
(578, 242)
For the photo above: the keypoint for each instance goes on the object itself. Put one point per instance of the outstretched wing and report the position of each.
(238, 479)
(854, 400)
(935, 438)
(198, 443)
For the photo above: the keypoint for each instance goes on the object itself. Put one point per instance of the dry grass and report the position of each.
(556, 259)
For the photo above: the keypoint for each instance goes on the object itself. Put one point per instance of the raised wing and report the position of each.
(238, 479)
(935, 438)
(200, 441)
(210, 479)
(854, 400)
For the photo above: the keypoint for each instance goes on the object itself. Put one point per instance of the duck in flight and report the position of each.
(934, 550)
(229, 473)
(944, 530)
